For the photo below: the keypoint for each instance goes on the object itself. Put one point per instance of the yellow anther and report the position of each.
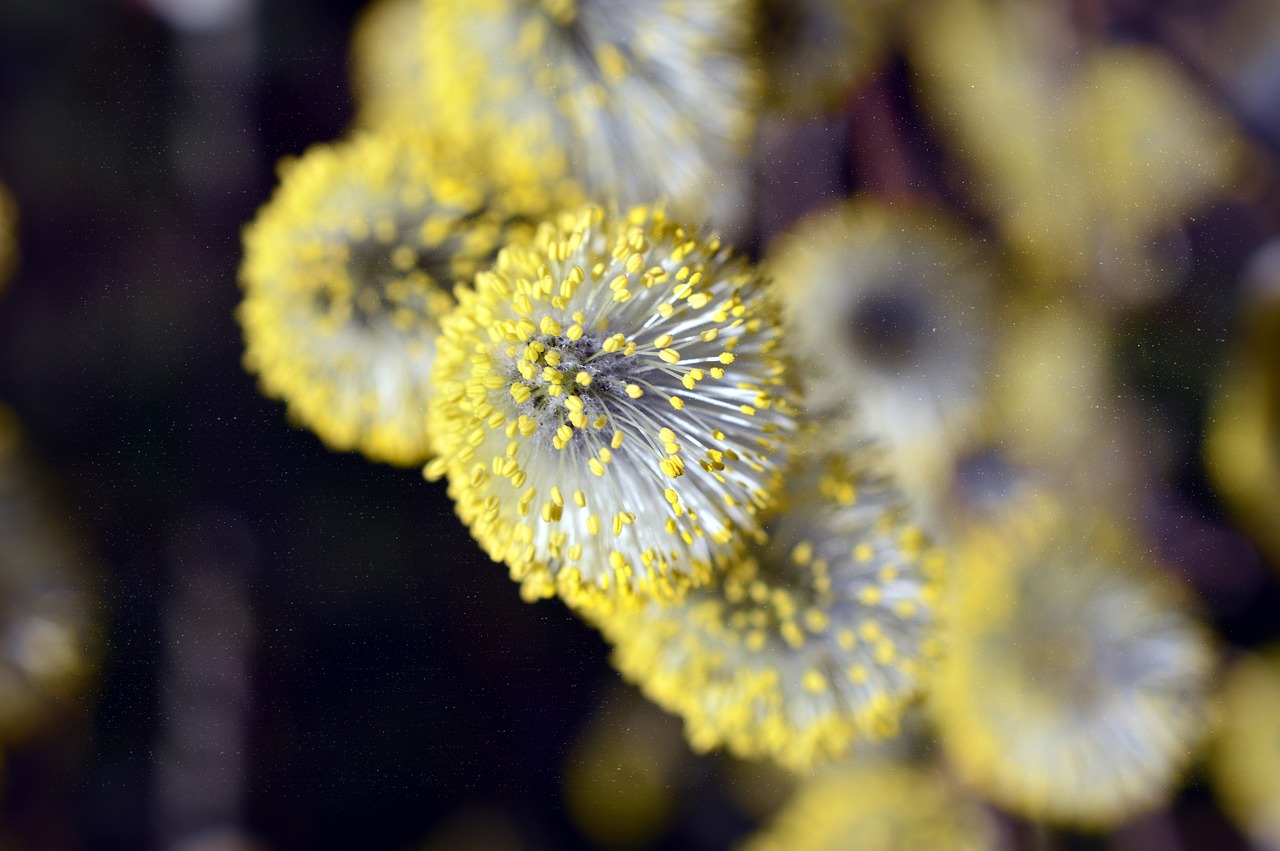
(634, 391)
(814, 681)
(673, 467)
(669, 355)
(803, 553)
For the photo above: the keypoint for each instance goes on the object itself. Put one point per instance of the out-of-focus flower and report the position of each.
(814, 640)
(609, 407)
(1245, 760)
(1074, 686)
(1084, 154)
(8, 235)
(1053, 406)
(889, 310)
(817, 51)
(1051, 372)
(878, 807)
(621, 777)
(1242, 447)
(346, 272)
(47, 631)
(639, 101)
(387, 64)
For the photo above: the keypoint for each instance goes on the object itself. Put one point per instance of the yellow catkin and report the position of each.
(346, 272)
(576, 95)
(765, 661)
(585, 425)
(1074, 684)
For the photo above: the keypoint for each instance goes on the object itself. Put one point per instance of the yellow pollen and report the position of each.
(814, 681)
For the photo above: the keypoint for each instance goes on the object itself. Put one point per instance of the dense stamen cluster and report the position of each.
(890, 309)
(610, 407)
(813, 640)
(346, 274)
(1074, 685)
(636, 100)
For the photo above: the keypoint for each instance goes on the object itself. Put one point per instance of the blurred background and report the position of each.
(290, 648)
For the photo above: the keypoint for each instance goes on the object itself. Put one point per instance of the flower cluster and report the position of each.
(1076, 682)
(639, 101)
(788, 494)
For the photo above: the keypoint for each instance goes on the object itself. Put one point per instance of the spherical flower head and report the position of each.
(8, 235)
(637, 100)
(610, 408)
(888, 308)
(1075, 681)
(878, 807)
(1245, 760)
(345, 275)
(814, 640)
